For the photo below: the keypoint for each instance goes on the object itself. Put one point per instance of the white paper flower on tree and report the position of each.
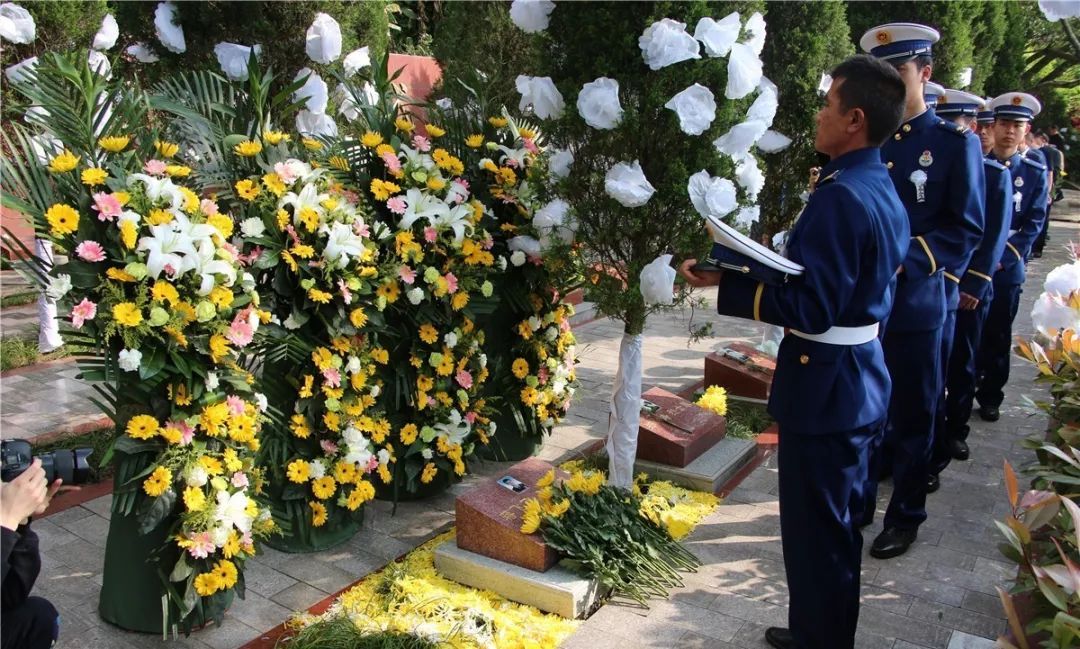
(665, 43)
(233, 59)
(1051, 314)
(718, 36)
(598, 103)
(524, 244)
(824, 83)
(560, 162)
(964, 79)
(1055, 10)
(1064, 279)
(106, 36)
(773, 142)
(314, 91)
(749, 176)
(99, 63)
(531, 16)
(142, 52)
(764, 107)
(626, 183)
(744, 71)
(16, 24)
(554, 222)
(657, 283)
(315, 124)
(169, 32)
(356, 60)
(324, 39)
(540, 93)
(20, 71)
(737, 142)
(755, 32)
(712, 196)
(696, 108)
(747, 217)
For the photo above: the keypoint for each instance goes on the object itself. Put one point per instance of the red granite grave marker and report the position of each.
(489, 519)
(678, 432)
(742, 370)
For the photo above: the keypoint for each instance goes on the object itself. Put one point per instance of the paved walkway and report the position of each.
(939, 595)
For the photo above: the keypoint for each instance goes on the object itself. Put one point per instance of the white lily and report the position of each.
(342, 244)
(207, 265)
(414, 158)
(455, 430)
(159, 188)
(231, 510)
(309, 198)
(421, 206)
(457, 219)
(516, 155)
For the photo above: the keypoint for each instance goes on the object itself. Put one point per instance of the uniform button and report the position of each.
(907, 127)
(896, 137)
(888, 165)
(804, 359)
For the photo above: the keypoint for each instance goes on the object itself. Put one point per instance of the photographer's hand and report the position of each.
(23, 496)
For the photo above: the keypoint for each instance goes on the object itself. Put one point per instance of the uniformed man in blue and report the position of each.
(1013, 112)
(938, 173)
(972, 297)
(985, 120)
(831, 388)
(932, 93)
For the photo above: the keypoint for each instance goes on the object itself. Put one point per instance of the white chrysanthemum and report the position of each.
(324, 39)
(1063, 280)
(1051, 314)
(169, 32)
(750, 176)
(696, 108)
(16, 24)
(772, 141)
(415, 295)
(737, 141)
(106, 36)
(531, 16)
(560, 162)
(755, 32)
(314, 92)
(712, 196)
(718, 36)
(598, 103)
(211, 381)
(657, 283)
(195, 475)
(540, 93)
(252, 227)
(143, 53)
(129, 359)
(626, 183)
(665, 43)
(356, 60)
(233, 59)
(517, 258)
(19, 72)
(744, 72)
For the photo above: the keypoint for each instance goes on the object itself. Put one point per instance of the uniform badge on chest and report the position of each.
(1019, 182)
(1017, 198)
(918, 178)
(926, 159)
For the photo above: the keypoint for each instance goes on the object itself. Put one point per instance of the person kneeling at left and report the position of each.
(28, 622)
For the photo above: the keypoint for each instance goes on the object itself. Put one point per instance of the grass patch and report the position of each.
(339, 632)
(98, 440)
(18, 299)
(745, 419)
(17, 352)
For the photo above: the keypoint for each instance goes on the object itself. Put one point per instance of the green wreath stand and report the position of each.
(299, 536)
(396, 491)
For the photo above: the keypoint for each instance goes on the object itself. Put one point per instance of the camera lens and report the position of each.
(70, 465)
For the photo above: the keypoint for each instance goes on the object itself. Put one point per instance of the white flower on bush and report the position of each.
(1051, 314)
(415, 295)
(252, 227)
(553, 222)
(58, 286)
(143, 53)
(712, 196)
(598, 103)
(129, 359)
(233, 59)
(524, 244)
(718, 36)
(658, 281)
(747, 217)
(665, 43)
(1063, 280)
(749, 176)
(324, 39)
(105, 38)
(626, 183)
(19, 72)
(764, 107)
(16, 24)
(168, 31)
(744, 71)
(311, 124)
(356, 60)
(560, 162)
(531, 16)
(540, 93)
(737, 141)
(696, 108)
(772, 141)
(755, 31)
(314, 94)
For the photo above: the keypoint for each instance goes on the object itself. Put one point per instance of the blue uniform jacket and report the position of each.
(1028, 207)
(851, 238)
(945, 217)
(978, 279)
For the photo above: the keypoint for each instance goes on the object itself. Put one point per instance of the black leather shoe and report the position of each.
(892, 542)
(959, 450)
(989, 413)
(933, 483)
(779, 637)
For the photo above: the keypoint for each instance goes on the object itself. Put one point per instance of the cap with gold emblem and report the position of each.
(985, 115)
(933, 93)
(899, 42)
(958, 102)
(1018, 106)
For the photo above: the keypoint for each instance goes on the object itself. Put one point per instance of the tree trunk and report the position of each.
(625, 412)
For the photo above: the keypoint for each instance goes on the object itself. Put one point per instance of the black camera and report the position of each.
(70, 465)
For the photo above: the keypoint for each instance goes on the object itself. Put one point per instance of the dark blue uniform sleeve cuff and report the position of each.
(740, 297)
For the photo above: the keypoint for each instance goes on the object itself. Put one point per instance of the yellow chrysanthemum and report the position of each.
(371, 139)
(298, 471)
(474, 141)
(178, 171)
(530, 516)
(274, 183)
(324, 487)
(404, 125)
(63, 162)
(322, 297)
(129, 233)
(166, 149)
(318, 514)
(194, 499)
(159, 217)
(275, 137)
(207, 584)
(248, 148)
(498, 122)
(435, 131)
(158, 482)
(127, 314)
(93, 176)
(714, 400)
(547, 479)
(311, 144)
(63, 219)
(247, 190)
(114, 143)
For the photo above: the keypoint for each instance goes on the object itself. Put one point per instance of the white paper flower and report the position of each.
(560, 162)
(718, 36)
(749, 176)
(747, 217)
(525, 245)
(712, 196)
(764, 107)
(744, 72)
(964, 79)
(824, 83)
(1051, 314)
(772, 142)
(598, 103)
(18, 73)
(36, 115)
(129, 360)
(211, 381)
(314, 91)
(99, 63)
(755, 32)
(540, 93)
(737, 141)
(356, 60)
(252, 227)
(16, 24)
(105, 38)
(1064, 279)
(665, 43)
(169, 32)
(1055, 10)
(779, 240)
(627, 184)
(696, 108)
(444, 103)
(658, 281)
(58, 286)
(233, 59)
(554, 223)
(143, 53)
(324, 39)
(531, 16)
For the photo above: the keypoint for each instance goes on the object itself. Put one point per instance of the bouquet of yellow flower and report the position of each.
(544, 361)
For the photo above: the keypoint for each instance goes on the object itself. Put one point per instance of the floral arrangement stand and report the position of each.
(741, 369)
(676, 432)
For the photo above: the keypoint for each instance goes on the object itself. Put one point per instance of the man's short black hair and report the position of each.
(923, 60)
(875, 87)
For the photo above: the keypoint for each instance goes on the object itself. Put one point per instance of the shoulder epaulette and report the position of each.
(1034, 163)
(994, 164)
(955, 129)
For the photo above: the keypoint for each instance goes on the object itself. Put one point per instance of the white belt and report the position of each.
(843, 335)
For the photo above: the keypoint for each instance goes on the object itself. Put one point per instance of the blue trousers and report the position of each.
(914, 362)
(960, 382)
(948, 336)
(821, 482)
(995, 349)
